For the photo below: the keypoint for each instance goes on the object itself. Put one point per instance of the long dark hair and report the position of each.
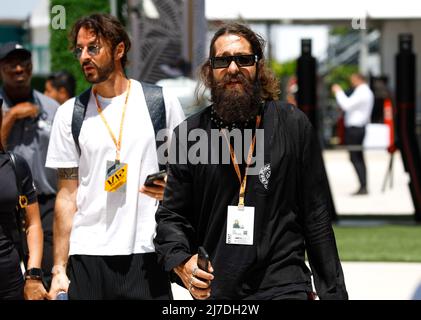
(105, 27)
(269, 86)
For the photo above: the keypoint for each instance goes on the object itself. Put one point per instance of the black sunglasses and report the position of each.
(244, 60)
(93, 50)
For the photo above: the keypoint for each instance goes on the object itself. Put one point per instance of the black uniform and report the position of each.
(11, 278)
(291, 215)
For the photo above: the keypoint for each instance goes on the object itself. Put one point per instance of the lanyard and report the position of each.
(117, 143)
(243, 181)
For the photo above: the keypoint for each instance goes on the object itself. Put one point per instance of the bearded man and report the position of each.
(103, 230)
(256, 221)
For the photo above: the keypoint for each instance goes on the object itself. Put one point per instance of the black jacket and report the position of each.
(291, 215)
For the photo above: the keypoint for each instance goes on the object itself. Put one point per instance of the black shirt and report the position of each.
(9, 197)
(291, 214)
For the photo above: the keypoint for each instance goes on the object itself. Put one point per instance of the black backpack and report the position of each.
(154, 101)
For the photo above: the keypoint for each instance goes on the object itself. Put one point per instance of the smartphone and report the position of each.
(203, 259)
(62, 295)
(160, 175)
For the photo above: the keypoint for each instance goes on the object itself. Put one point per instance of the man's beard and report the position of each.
(235, 104)
(102, 73)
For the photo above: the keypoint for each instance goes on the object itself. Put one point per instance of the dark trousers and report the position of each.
(354, 136)
(134, 277)
(11, 278)
(46, 207)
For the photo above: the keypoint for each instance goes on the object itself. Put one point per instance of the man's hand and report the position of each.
(34, 290)
(24, 110)
(197, 281)
(336, 88)
(155, 192)
(60, 282)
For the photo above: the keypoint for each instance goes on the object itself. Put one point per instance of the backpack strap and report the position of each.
(19, 240)
(79, 112)
(156, 107)
(154, 101)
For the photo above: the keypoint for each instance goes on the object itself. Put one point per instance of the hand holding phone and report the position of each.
(203, 259)
(62, 295)
(153, 177)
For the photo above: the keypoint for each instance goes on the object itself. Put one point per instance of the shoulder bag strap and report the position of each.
(79, 112)
(20, 211)
(156, 107)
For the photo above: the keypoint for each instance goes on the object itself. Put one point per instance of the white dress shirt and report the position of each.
(358, 106)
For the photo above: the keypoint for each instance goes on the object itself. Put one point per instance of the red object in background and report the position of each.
(388, 120)
(340, 129)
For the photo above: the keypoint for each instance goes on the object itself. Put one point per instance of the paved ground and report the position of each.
(383, 281)
(343, 181)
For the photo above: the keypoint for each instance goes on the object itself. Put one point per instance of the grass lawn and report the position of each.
(379, 243)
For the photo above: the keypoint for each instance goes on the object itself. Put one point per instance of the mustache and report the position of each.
(89, 63)
(233, 78)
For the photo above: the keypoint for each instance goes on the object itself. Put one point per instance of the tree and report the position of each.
(341, 75)
(61, 57)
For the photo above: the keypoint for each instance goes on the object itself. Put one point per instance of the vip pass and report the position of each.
(116, 177)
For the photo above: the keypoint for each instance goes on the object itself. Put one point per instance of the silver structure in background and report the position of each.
(163, 31)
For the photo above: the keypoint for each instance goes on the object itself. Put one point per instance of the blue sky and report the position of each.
(16, 9)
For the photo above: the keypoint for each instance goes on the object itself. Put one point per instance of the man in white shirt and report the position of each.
(357, 107)
(104, 226)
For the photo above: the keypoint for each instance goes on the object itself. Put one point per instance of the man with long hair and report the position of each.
(103, 225)
(278, 204)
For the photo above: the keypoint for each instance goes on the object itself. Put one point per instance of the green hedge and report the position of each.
(61, 57)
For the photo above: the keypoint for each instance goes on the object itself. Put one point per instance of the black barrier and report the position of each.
(306, 82)
(405, 102)
(307, 99)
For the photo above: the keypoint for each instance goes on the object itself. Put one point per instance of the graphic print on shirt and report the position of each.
(264, 175)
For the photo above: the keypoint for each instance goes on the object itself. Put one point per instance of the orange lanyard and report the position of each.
(117, 143)
(243, 181)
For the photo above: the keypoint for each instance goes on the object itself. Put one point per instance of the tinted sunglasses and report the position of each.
(244, 60)
(93, 50)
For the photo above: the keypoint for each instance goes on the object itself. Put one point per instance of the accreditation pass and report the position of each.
(240, 225)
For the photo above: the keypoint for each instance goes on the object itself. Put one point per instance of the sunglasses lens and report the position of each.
(93, 50)
(220, 62)
(245, 61)
(241, 61)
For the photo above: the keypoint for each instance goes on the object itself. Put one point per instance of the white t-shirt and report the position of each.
(358, 106)
(111, 223)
